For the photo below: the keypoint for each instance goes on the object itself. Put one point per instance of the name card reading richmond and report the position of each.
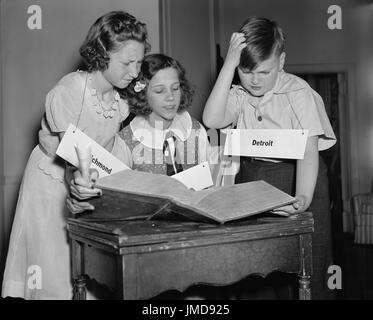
(102, 160)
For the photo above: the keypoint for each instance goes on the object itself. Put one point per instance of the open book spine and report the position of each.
(169, 212)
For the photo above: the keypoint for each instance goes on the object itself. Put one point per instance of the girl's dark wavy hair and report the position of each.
(107, 35)
(151, 65)
(263, 37)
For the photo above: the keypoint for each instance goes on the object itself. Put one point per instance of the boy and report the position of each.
(269, 98)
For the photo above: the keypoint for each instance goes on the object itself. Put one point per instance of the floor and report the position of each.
(356, 262)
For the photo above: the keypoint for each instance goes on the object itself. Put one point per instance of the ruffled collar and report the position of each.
(154, 138)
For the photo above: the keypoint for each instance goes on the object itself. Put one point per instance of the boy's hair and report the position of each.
(108, 34)
(151, 64)
(263, 37)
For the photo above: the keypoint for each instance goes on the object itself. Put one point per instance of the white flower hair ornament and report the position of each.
(139, 86)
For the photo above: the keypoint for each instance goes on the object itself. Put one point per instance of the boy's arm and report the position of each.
(214, 114)
(307, 171)
(306, 177)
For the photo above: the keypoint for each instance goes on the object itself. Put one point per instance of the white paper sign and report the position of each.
(102, 160)
(197, 177)
(266, 143)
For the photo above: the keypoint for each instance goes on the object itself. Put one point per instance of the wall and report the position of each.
(32, 61)
(188, 36)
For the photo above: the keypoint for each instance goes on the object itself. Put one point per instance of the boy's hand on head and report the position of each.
(236, 44)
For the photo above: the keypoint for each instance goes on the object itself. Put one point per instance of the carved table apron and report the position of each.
(142, 258)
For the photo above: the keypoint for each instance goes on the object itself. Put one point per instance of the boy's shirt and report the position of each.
(291, 104)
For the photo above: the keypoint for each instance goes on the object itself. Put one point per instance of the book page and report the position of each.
(147, 184)
(242, 200)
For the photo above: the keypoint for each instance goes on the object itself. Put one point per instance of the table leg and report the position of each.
(80, 290)
(79, 280)
(304, 288)
(305, 243)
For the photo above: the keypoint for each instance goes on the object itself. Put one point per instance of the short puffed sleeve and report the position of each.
(234, 103)
(62, 108)
(310, 114)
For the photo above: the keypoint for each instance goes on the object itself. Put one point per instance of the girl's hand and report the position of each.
(236, 44)
(83, 189)
(76, 206)
(297, 207)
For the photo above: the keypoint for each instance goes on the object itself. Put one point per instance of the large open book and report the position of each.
(129, 194)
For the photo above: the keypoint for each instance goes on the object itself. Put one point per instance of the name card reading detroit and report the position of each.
(266, 143)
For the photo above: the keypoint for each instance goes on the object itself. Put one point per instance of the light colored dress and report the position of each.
(39, 244)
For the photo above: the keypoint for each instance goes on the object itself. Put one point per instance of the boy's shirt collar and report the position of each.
(285, 83)
(154, 138)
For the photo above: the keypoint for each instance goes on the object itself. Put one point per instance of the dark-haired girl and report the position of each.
(163, 138)
(38, 262)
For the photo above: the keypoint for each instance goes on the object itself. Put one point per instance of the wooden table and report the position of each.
(141, 258)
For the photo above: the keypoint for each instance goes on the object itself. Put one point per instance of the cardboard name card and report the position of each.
(101, 159)
(266, 143)
(197, 178)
